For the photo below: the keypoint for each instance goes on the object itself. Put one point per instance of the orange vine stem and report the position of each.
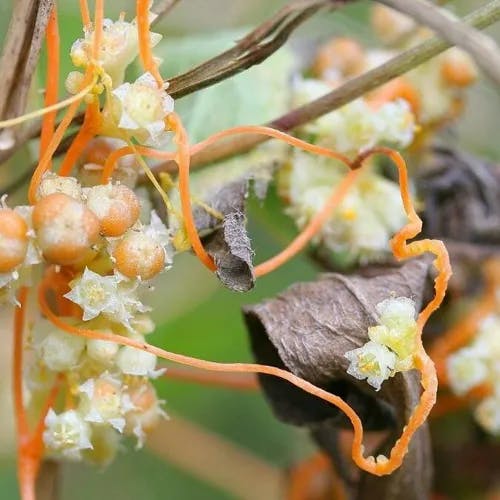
(17, 367)
(85, 13)
(145, 53)
(112, 159)
(243, 382)
(44, 163)
(51, 91)
(311, 229)
(87, 131)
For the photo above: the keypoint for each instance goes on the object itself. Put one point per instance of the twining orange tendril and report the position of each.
(112, 159)
(422, 361)
(85, 13)
(463, 331)
(239, 382)
(145, 53)
(44, 163)
(183, 160)
(51, 90)
(88, 130)
(30, 445)
(19, 319)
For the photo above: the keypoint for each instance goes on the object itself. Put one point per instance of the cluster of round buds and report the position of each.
(478, 364)
(392, 343)
(119, 47)
(357, 125)
(362, 225)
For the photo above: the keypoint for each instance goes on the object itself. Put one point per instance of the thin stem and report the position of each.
(242, 382)
(481, 47)
(48, 109)
(17, 367)
(53, 60)
(347, 92)
(85, 134)
(145, 54)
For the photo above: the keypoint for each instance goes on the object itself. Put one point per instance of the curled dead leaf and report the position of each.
(308, 329)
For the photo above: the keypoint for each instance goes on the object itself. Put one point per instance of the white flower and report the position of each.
(58, 350)
(142, 108)
(363, 222)
(466, 370)
(112, 296)
(119, 47)
(356, 126)
(105, 445)
(373, 362)
(398, 123)
(133, 361)
(104, 402)
(103, 351)
(66, 434)
(53, 183)
(94, 293)
(397, 312)
(487, 414)
(488, 338)
(33, 255)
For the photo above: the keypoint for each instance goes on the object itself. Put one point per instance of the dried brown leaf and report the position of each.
(461, 195)
(308, 329)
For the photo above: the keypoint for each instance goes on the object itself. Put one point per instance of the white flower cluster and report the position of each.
(363, 223)
(119, 47)
(110, 394)
(479, 364)
(391, 346)
(357, 125)
(101, 250)
(138, 109)
(439, 82)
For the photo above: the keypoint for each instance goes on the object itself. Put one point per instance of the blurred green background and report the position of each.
(195, 315)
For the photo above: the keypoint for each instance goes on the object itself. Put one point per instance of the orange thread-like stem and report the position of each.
(87, 131)
(85, 13)
(242, 382)
(44, 163)
(145, 53)
(51, 91)
(112, 159)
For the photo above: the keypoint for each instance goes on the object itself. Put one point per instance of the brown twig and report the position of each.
(480, 46)
(252, 49)
(19, 57)
(162, 8)
(352, 89)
